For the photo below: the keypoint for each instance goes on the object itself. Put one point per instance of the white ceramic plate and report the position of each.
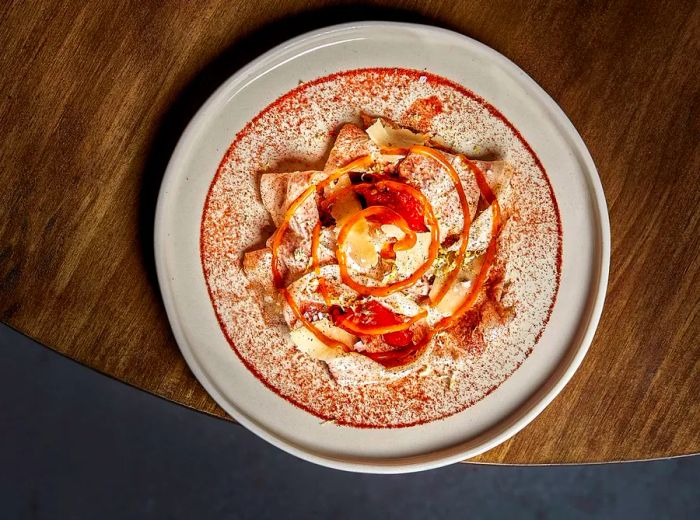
(542, 123)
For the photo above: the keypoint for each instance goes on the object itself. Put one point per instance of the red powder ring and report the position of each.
(301, 125)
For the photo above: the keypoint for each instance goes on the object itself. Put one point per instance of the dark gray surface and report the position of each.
(76, 444)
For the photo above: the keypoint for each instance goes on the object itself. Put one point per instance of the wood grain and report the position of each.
(95, 96)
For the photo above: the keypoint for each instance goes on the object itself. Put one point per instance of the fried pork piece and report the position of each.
(351, 143)
(430, 178)
(257, 266)
(278, 191)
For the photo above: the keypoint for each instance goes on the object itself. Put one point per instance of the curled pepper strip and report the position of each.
(359, 163)
(464, 235)
(367, 290)
(394, 150)
(489, 196)
(400, 356)
(315, 238)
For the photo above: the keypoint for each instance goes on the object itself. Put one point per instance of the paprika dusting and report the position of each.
(362, 255)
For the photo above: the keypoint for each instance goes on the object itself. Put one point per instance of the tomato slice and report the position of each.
(402, 338)
(372, 318)
(400, 356)
(401, 201)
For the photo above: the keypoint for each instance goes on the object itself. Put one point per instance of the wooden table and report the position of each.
(95, 97)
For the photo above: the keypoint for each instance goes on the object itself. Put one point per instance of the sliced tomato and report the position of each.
(372, 318)
(402, 338)
(399, 200)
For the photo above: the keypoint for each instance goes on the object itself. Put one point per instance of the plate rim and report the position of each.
(528, 410)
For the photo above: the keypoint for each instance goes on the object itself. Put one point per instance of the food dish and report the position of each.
(379, 252)
(403, 269)
(402, 434)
